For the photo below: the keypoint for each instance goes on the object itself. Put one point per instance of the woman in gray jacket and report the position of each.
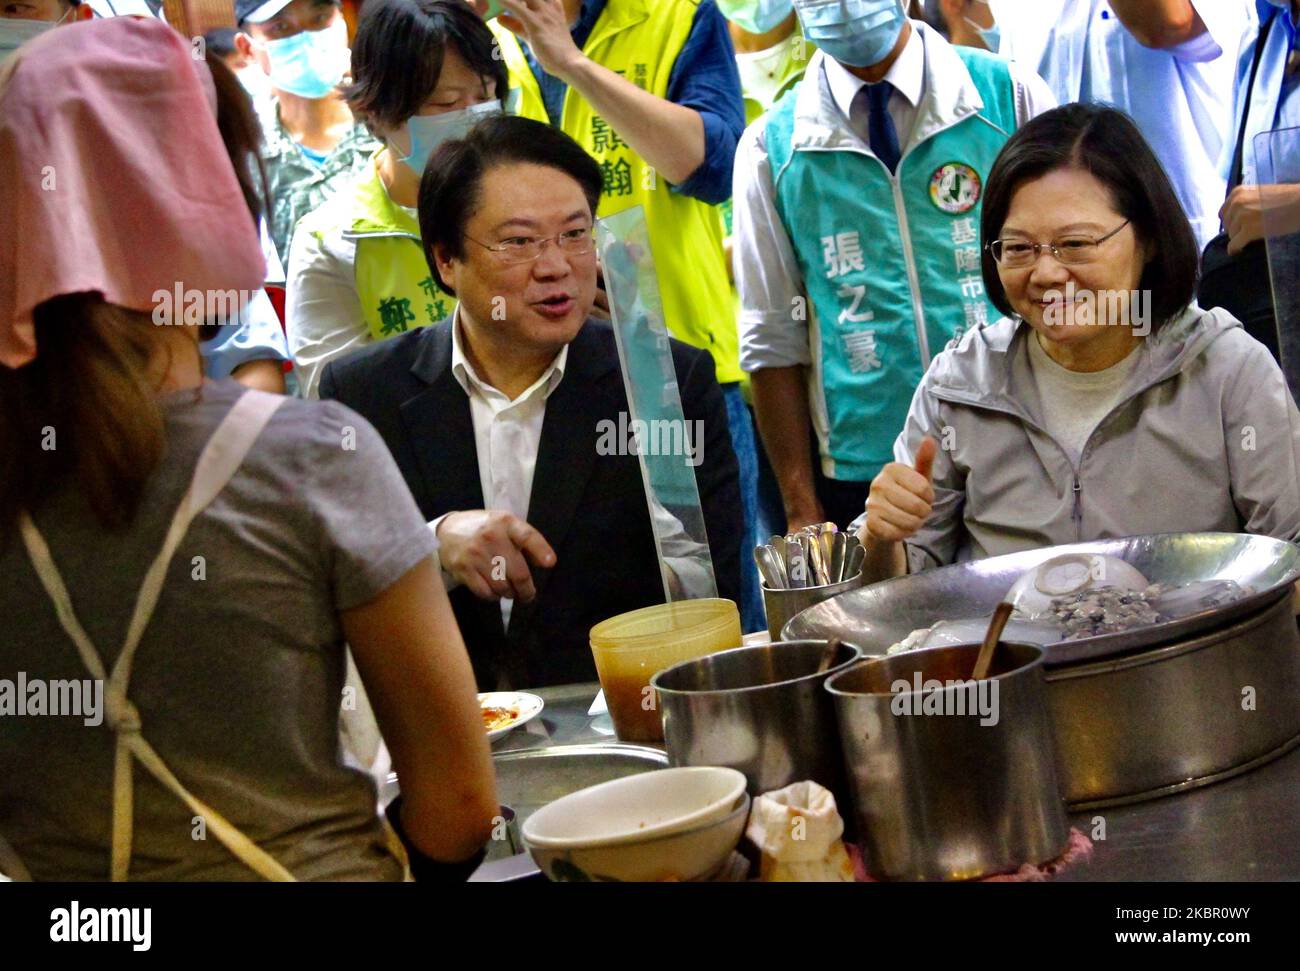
(1105, 403)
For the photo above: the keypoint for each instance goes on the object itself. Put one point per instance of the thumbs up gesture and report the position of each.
(902, 496)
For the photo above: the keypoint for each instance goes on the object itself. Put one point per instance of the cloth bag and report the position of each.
(798, 831)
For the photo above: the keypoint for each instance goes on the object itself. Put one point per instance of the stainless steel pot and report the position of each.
(955, 781)
(1183, 715)
(761, 710)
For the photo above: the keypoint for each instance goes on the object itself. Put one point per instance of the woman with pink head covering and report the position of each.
(182, 561)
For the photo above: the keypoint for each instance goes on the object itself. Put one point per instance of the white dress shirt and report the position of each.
(906, 75)
(507, 434)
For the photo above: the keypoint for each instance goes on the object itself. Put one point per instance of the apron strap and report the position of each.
(217, 464)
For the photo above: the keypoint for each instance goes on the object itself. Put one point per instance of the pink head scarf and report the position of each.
(113, 176)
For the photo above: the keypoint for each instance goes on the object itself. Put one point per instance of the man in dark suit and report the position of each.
(500, 417)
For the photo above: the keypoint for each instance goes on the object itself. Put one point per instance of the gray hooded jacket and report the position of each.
(1205, 436)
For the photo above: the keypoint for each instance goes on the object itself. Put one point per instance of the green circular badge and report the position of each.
(955, 187)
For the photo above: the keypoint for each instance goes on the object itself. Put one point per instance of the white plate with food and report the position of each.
(504, 711)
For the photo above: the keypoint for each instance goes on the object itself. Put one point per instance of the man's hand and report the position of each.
(544, 25)
(902, 497)
(489, 551)
(1243, 213)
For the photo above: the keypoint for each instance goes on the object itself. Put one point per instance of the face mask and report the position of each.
(992, 36)
(858, 33)
(15, 33)
(426, 133)
(756, 16)
(311, 62)
(255, 82)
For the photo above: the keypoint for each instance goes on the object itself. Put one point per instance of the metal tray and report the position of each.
(875, 617)
(528, 779)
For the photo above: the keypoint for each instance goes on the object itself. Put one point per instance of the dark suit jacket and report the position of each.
(591, 508)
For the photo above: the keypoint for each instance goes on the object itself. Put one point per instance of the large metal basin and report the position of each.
(1142, 713)
(882, 614)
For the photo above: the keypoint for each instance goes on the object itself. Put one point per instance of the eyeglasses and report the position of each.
(526, 249)
(1015, 253)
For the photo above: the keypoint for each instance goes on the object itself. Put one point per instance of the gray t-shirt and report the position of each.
(239, 675)
(1075, 402)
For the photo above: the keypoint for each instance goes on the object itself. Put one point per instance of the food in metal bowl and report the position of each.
(1101, 610)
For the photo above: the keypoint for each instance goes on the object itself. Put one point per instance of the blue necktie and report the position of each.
(882, 136)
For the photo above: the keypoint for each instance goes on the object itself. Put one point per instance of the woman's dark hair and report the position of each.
(398, 52)
(221, 41)
(241, 133)
(90, 385)
(449, 190)
(1105, 143)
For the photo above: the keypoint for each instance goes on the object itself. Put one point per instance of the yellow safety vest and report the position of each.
(394, 282)
(641, 41)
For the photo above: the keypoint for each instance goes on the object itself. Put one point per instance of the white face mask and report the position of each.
(15, 33)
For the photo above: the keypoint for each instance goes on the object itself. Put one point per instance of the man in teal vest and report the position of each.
(857, 251)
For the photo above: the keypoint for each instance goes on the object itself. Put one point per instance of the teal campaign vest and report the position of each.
(891, 264)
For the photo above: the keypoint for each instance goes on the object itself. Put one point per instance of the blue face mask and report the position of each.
(427, 132)
(311, 62)
(15, 32)
(992, 36)
(857, 33)
(756, 16)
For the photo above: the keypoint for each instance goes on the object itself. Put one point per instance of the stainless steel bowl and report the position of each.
(757, 709)
(1142, 713)
(964, 789)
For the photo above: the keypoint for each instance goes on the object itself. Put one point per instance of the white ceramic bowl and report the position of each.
(1060, 576)
(695, 853)
(636, 808)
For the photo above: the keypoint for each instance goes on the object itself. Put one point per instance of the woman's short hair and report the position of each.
(1105, 143)
(449, 190)
(397, 55)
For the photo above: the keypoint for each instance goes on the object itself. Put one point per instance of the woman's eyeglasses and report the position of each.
(1075, 248)
(526, 249)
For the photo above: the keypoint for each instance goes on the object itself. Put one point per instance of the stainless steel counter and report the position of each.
(1247, 828)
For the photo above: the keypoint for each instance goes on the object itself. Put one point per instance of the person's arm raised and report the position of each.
(900, 501)
(669, 136)
(1159, 24)
(417, 674)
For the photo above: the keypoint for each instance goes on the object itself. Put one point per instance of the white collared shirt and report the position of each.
(906, 74)
(507, 434)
